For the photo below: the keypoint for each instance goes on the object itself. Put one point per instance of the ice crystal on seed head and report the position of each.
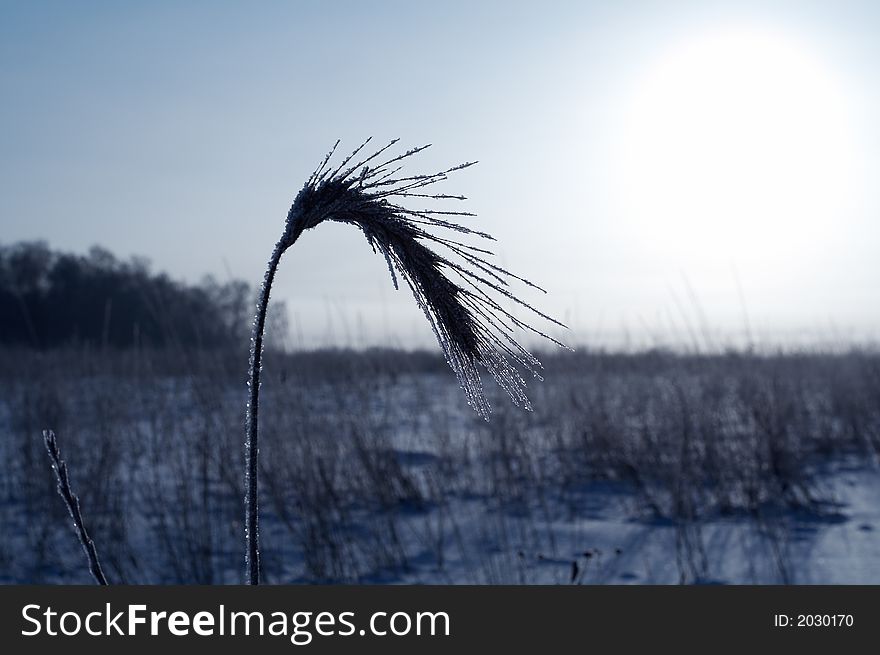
(456, 286)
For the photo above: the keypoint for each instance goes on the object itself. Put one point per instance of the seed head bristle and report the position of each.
(472, 327)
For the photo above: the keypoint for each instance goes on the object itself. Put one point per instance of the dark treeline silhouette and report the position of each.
(50, 298)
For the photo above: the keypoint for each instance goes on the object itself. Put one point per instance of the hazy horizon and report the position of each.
(664, 170)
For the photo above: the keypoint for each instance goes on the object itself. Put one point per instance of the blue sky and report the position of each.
(181, 131)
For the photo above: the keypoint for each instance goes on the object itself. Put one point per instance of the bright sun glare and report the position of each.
(736, 144)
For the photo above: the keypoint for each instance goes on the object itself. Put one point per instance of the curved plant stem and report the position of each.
(252, 449)
(473, 328)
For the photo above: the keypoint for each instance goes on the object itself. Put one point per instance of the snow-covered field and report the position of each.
(613, 547)
(632, 469)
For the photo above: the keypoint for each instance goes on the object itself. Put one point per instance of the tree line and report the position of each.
(50, 298)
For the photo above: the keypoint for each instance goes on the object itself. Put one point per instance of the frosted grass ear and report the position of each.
(456, 286)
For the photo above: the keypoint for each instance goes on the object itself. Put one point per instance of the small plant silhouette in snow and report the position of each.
(459, 291)
(71, 501)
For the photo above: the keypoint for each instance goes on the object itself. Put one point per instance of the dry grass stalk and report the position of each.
(460, 291)
(72, 502)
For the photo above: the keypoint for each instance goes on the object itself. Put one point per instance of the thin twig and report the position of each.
(72, 502)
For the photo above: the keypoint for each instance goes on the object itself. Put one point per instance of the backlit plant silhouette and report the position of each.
(459, 291)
